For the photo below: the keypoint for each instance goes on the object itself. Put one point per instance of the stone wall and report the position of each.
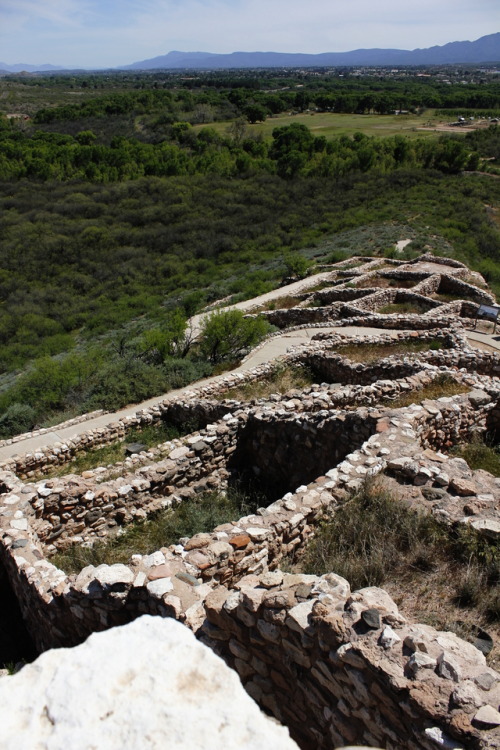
(74, 509)
(396, 296)
(61, 609)
(281, 453)
(297, 316)
(340, 668)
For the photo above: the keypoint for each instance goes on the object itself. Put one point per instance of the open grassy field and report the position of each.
(331, 125)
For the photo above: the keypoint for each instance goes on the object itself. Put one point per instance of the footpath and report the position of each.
(270, 350)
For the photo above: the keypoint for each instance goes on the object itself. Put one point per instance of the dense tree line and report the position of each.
(79, 259)
(227, 97)
(293, 150)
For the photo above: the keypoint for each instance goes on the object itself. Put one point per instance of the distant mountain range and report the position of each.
(483, 50)
(25, 68)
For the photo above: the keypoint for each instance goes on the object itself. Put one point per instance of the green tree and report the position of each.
(171, 340)
(225, 334)
(85, 137)
(296, 265)
(255, 113)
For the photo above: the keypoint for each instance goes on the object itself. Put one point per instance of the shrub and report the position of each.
(16, 419)
(225, 334)
(124, 382)
(296, 265)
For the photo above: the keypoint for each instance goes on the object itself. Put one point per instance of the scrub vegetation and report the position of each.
(126, 209)
(448, 578)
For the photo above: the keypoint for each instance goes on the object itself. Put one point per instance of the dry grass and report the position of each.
(402, 308)
(383, 283)
(443, 385)
(373, 352)
(282, 380)
(280, 303)
(322, 285)
(448, 579)
(446, 297)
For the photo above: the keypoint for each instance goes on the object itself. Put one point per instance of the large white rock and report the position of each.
(149, 684)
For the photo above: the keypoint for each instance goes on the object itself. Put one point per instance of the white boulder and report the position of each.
(148, 684)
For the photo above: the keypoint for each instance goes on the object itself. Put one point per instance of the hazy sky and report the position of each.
(107, 33)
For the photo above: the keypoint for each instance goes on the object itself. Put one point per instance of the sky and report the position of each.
(109, 33)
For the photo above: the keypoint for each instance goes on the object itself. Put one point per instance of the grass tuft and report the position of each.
(281, 380)
(280, 303)
(480, 455)
(402, 308)
(361, 352)
(443, 385)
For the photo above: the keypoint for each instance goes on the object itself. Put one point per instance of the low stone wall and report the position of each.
(336, 369)
(297, 316)
(340, 668)
(439, 260)
(452, 285)
(396, 296)
(328, 296)
(61, 609)
(428, 285)
(45, 430)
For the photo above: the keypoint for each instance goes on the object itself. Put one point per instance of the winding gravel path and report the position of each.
(273, 348)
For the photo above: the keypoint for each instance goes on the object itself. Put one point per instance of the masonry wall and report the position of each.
(305, 653)
(288, 452)
(61, 609)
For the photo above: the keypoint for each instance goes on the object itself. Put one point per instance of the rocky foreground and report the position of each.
(149, 684)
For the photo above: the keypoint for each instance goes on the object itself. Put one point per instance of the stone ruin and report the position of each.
(337, 667)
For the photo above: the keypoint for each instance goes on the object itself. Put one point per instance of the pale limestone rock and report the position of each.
(372, 598)
(488, 715)
(298, 616)
(487, 526)
(419, 660)
(466, 696)
(442, 740)
(148, 685)
(160, 586)
(449, 668)
(388, 637)
(109, 575)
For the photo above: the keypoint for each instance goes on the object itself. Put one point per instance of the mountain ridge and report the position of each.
(486, 49)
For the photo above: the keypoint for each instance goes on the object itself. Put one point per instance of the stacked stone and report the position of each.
(341, 668)
(74, 510)
(45, 430)
(62, 610)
